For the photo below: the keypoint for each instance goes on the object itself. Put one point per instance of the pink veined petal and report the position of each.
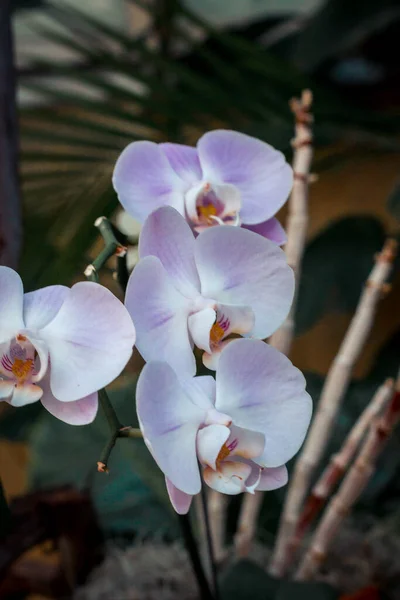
(90, 340)
(145, 180)
(209, 444)
(6, 389)
(78, 412)
(262, 391)
(167, 236)
(41, 306)
(25, 393)
(160, 314)
(239, 267)
(11, 302)
(184, 161)
(200, 324)
(272, 479)
(260, 172)
(169, 421)
(179, 500)
(245, 443)
(235, 319)
(230, 478)
(270, 229)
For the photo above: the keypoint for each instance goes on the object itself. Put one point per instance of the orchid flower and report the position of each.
(230, 178)
(240, 428)
(61, 345)
(186, 290)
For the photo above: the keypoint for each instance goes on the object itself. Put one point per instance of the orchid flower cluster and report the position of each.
(210, 271)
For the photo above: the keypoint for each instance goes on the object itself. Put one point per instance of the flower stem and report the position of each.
(109, 411)
(114, 244)
(191, 547)
(210, 547)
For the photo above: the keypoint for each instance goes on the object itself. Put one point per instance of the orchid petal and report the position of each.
(209, 443)
(41, 306)
(211, 360)
(260, 172)
(11, 303)
(169, 421)
(78, 412)
(160, 314)
(201, 390)
(245, 443)
(272, 479)
(90, 341)
(167, 236)
(262, 391)
(179, 500)
(229, 479)
(43, 355)
(240, 267)
(144, 180)
(6, 389)
(25, 393)
(200, 324)
(270, 229)
(184, 161)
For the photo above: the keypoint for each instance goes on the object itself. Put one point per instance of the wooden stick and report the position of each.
(334, 389)
(297, 223)
(352, 487)
(338, 466)
(217, 506)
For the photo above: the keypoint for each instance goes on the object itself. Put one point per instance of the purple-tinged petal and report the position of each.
(211, 360)
(230, 478)
(184, 161)
(179, 500)
(41, 306)
(200, 324)
(160, 314)
(167, 236)
(90, 341)
(78, 412)
(201, 390)
(270, 229)
(262, 391)
(209, 444)
(260, 172)
(233, 318)
(223, 200)
(144, 180)
(240, 267)
(272, 479)
(25, 393)
(11, 303)
(169, 421)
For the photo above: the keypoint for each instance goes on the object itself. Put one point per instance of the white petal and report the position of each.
(209, 443)
(11, 302)
(230, 478)
(261, 390)
(179, 500)
(200, 324)
(41, 306)
(25, 393)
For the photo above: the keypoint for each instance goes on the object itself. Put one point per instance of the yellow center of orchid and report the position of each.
(223, 453)
(21, 369)
(216, 334)
(206, 212)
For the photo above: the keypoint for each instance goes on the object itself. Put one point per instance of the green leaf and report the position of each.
(246, 580)
(298, 590)
(393, 202)
(132, 498)
(337, 27)
(335, 267)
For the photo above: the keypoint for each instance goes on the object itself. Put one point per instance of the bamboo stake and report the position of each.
(297, 223)
(218, 505)
(338, 465)
(352, 487)
(335, 387)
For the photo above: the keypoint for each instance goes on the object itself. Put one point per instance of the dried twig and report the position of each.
(338, 465)
(332, 395)
(296, 235)
(352, 487)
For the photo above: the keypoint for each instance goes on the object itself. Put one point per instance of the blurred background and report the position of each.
(93, 75)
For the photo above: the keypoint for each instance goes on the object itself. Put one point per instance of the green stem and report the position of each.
(191, 547)
(109, 411)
